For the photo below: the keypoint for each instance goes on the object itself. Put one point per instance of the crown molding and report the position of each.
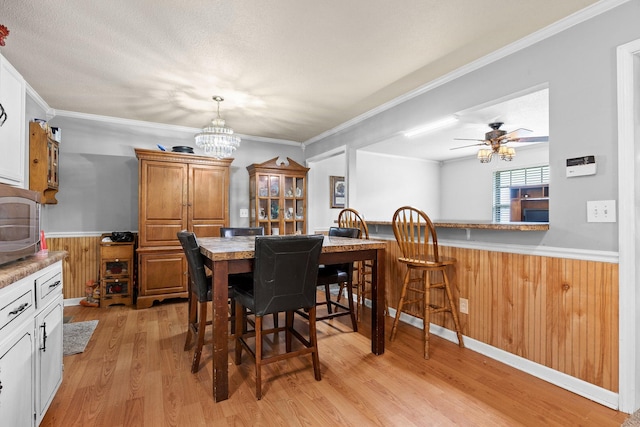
(529, 40)
(49, 112)
(159, 126)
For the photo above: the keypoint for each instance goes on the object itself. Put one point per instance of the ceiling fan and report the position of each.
(496, 139)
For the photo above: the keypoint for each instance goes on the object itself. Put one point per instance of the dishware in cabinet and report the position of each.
(278, 196)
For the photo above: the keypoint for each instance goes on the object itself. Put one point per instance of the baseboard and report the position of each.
(72, 301)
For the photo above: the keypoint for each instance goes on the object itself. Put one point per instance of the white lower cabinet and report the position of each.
(16, 378)
(31, 318)
(48, 355)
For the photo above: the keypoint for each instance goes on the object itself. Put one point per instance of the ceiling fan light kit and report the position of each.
(218, 140)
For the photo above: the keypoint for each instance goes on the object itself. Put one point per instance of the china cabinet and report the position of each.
(43, 162)
(278, 196)
(175, 192)
(12, 129)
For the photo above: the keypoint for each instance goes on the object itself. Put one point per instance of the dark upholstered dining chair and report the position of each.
(241, 278)
(199, 295)
(284, 280)
(338, 274)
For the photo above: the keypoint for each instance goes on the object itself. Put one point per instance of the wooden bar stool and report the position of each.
(351, 218)
(416, 237)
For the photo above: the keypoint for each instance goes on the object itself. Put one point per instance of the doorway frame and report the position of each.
(628, 82)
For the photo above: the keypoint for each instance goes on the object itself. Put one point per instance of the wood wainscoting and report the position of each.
(80, 266)
(557, 312)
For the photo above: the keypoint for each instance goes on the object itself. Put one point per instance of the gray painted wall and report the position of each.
(579, 67)
(99, 172)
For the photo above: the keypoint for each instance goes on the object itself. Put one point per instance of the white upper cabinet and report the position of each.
(13, 131)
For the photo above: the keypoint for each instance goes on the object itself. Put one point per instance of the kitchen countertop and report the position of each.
(16, 270)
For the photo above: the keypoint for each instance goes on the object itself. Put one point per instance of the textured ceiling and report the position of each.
(288, 69)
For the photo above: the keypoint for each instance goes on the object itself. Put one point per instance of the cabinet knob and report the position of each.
(35, 160)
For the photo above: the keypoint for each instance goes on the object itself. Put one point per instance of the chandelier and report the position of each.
(218, 140)
(505, 153)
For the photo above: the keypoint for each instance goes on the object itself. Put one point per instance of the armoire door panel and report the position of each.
(163, 234)
(207, 193)
(163, 273)
(165, 201)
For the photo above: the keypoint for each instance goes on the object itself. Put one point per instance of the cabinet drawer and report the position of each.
(48, 286)
(117, 252)
(16, 306)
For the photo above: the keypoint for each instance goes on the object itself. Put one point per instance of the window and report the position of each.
(503, 181)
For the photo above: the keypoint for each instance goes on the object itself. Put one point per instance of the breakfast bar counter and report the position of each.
(481, 225)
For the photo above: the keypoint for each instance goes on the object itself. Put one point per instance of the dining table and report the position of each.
(231, 255)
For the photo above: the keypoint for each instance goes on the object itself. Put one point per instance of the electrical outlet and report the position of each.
(601, 211)
(464, 306)
(244, 213)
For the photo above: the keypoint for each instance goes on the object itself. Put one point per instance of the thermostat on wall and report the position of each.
(581, 166)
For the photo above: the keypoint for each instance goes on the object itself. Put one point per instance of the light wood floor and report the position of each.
(134, 372)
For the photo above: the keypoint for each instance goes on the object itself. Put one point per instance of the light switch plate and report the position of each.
(244, 213)
(601, 211)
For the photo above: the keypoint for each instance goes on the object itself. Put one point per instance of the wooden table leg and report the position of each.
(377, 304)
(220, 331)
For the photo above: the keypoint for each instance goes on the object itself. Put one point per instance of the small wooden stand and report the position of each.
(116, 272)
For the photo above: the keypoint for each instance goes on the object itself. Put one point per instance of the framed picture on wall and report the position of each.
(337, 190)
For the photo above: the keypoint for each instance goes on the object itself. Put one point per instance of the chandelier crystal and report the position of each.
(217, 139)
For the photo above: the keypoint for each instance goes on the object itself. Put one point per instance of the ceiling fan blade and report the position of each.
(467, 146)
(470, 139)
(531, 139)
(516, 134)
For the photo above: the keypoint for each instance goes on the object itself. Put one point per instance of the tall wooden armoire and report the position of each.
(175, 192)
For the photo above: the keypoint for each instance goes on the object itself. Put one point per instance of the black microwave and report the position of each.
(19, 223)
